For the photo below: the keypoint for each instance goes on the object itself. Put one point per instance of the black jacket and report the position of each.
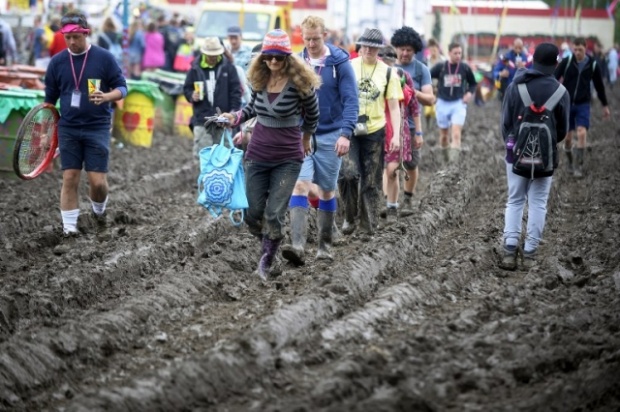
(540, 87)
(578, 84)
(227, 95)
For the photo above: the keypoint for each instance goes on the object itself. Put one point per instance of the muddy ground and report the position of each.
(168, 316)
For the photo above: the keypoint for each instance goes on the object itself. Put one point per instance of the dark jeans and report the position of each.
(269, 187)
(362, 174)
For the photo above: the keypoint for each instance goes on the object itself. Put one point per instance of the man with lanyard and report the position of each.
(456, 87)
(407, 43)
(339, 108)
(362, 170)
(85, 115)
(577, 72)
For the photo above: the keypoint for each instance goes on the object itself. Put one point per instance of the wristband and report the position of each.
(419, 134)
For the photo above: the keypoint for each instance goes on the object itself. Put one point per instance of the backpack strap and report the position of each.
(555, 98)
(387, 76)
(570, 58)
(551, 101)
(525, 95)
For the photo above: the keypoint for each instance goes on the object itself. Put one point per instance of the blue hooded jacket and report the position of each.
(338, 99)
(510, 63)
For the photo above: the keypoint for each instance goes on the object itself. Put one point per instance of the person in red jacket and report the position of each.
(58, 43)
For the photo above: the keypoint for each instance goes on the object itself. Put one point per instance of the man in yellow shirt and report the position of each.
(361, 173)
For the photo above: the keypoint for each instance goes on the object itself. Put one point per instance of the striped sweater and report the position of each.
(288, 109)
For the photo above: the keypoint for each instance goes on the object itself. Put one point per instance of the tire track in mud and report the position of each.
(234, 341)
(508, 342)
(349, 284)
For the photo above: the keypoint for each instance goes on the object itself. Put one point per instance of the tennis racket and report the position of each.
(36, 142)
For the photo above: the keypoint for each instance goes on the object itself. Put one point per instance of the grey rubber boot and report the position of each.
(579, 152)
(569, 157)
(325, 222)
(294, 252)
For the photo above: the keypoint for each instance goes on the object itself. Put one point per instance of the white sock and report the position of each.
(392, 205)
(99, 208)
(69, 220)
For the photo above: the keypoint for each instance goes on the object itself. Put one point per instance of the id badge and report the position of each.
(75, 99)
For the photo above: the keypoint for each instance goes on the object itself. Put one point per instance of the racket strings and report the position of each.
(38, 141)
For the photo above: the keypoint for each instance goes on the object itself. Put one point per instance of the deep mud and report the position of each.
(167, 315)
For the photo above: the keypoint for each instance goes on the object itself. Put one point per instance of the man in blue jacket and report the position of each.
(508, 65)
(339, 108)
(540, 85)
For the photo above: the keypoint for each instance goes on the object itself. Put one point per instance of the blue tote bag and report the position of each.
(221, 184)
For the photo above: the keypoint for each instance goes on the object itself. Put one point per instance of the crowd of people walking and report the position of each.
(321, 128)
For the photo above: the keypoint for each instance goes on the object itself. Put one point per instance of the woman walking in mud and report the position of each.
(283, 97)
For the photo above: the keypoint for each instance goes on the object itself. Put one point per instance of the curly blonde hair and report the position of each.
(302, 75)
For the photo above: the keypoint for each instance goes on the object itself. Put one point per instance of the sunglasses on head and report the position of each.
(269, 57)
(388, 55)
(73, 20)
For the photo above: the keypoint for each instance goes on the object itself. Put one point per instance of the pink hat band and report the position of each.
(73, 28)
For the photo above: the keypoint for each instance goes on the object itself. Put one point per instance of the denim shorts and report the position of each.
(579, 116)
(450, 112)
(84, 148)
(323, 166)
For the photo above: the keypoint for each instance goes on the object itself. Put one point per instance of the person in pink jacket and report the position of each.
(153, 57)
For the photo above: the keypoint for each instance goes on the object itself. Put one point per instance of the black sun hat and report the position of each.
(371, 38)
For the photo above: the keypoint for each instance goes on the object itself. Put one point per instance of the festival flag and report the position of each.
(455, 10)
(556, 9)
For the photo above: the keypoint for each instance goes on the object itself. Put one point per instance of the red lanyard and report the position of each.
(456, 71)
(75, 79)
(452, 75)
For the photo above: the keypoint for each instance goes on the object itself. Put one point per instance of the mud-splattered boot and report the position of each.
(270, 248)
(569, 158)
(579, 152)
(392, 216)
(454, 154)
(508, 257)
(445, 151)
(294, 252)
(407, 207)
(326, 225)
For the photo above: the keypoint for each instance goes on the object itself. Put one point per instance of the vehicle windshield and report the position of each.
(215, 23)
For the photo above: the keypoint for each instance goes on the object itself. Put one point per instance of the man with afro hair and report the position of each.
(407, 43)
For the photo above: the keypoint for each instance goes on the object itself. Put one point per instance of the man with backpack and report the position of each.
(535, 114)
(577, 71)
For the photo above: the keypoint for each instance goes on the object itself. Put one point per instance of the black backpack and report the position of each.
(535, 150)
